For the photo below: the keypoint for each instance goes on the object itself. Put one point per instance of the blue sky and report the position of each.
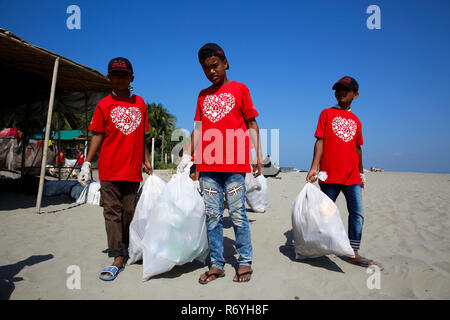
(288, 53)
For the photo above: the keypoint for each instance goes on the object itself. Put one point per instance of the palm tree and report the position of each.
(162, 124)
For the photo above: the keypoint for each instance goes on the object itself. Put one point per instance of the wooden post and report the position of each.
(47, 135)
(58, 124)
(87, 124)
(153, 152)
(162, 147)
(25, 133)
(22, 166)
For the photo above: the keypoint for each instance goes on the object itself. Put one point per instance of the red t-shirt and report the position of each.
(225, 142)
(341, 133)
(123, 121)
(60, 157)
(80, 157)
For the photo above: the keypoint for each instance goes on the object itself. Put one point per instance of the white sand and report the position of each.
(406, 230)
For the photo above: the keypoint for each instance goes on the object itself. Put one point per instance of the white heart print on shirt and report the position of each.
(215, 107)
(344, 128)
(126, 119)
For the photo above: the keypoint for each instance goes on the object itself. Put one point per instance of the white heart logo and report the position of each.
(344, 128)
(126, 119)
(217, 107)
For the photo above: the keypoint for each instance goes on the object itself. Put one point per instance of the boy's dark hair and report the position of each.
(211, 50)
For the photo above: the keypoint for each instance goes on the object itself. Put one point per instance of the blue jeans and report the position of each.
(213, 185)
(353, 198)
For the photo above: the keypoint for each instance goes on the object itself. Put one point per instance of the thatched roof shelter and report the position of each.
(35, 80)
(27, 74)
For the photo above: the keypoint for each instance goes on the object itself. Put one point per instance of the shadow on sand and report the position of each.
(13, 201)
(8, 274)
(228, 253)
(227, 223)
(322, 262)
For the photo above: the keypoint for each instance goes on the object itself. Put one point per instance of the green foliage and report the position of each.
(163, 165)
(83, 120)
(162, 124)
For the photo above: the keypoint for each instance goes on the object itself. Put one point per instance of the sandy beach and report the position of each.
(406, 230)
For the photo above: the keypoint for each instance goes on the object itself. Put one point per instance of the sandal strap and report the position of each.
(208, 275)
(112, 270)
(244, 273)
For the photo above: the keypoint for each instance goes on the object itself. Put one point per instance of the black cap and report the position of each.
(120, 64)
(349, 82)
(211, 50)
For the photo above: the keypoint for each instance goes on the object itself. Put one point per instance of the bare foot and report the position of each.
(118, 262)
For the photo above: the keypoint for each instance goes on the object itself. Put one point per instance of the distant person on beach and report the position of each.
(80, 157)
(119, 123)
(338, 152)
(225, 116)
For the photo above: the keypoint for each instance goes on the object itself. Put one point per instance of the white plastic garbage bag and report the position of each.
(257, 194)
(176, 229)
(151, 190)
(317, 225)
(70, 162)
(90, 194)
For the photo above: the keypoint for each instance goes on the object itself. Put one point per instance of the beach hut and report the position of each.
(38, 81)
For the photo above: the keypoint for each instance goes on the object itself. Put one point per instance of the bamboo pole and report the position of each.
(153, 151)
(58, 121)
(162, 146)
(86, 124)
(25, 133)
(47, 136)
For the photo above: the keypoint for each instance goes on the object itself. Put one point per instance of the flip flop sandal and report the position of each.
(362, 262)
(112, 271)
(208, 275)
(239, 275)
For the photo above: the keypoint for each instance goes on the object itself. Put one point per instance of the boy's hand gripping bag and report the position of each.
(176, 228)
(151, 190)
(256, 192)
(317, 226)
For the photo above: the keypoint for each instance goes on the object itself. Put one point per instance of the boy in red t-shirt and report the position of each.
(119, 124)
(338, 151)
(225, 120)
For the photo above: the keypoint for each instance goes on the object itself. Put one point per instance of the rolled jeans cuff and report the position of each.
(218, 266)
(355, 244)
(248, 264)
